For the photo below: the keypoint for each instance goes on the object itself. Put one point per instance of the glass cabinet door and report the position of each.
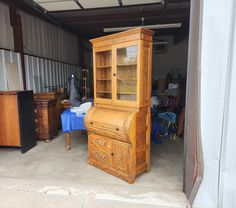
(103, 74)
(126, 77)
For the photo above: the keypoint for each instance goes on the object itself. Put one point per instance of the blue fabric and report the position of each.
(71, 122)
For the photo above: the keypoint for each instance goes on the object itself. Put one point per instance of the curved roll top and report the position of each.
(111, 123)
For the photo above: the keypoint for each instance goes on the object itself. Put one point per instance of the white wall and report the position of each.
(175, 59)
(218, 105)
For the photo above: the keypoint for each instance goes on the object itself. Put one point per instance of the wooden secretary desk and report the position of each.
(119, 123)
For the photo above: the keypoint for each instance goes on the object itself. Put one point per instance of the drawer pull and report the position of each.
(35, 111)
(99, 142)
(114, 74)
(112, 154)
(99, 156)
(36, 120)
(91, 123)
(117, 129)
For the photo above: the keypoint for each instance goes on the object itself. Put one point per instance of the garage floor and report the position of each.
(50, 176)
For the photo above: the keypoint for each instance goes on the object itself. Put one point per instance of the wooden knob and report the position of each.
(112, 154)
(117, 129)
(114, 74)
(91, 123)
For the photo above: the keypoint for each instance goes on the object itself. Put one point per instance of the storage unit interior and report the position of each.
(48, 166)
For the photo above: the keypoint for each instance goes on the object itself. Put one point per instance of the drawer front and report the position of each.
(38, 113)
(109, 131)
(100, 142)
(100, 150)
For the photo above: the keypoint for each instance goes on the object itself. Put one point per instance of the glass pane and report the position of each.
(127, 73)
(103, 74)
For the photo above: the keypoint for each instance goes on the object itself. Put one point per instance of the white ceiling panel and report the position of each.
(88, 4)
(59, 5)
(135, 2)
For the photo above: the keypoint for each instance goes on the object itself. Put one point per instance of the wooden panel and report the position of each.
(9, 121)
(120, 157)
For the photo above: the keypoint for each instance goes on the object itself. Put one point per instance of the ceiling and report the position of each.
(90, 17)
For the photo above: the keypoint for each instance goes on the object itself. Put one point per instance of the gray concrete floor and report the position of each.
(48, 176)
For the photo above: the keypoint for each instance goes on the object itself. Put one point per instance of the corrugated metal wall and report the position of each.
(43, 75)
(6, 32)
(8, 57)
(46, 40)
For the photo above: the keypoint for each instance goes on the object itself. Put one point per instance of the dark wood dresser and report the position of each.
(17, 127)
(58, 110)
(45, 118)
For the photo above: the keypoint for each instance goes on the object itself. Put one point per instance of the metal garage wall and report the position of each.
(48, 41)
(12, 58)
(43, 75)
(6, 32)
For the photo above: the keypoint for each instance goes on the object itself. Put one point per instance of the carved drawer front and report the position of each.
(100, 150)
(100, 142)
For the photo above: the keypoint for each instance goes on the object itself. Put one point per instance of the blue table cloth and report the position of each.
(70, 121)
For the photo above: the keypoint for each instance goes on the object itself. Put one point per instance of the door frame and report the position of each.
(193, 154)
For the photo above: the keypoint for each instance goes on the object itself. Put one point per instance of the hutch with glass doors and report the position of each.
(119, 123)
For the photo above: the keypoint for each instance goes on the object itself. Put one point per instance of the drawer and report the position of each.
(100, 142)
(100, 150)
(38, 113)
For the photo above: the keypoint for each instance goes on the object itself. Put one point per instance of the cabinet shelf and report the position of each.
(104, 92)
(103, 67)
(124, 65)
(127, 79)
(126, 93)
(103, 79)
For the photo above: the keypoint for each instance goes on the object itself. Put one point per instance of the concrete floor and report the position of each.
(48, 176)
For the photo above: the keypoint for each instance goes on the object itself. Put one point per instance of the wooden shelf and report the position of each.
(127, 79)
(103, 91)
(127, 93)
(103, 79)
(123, 65)
(103, 67)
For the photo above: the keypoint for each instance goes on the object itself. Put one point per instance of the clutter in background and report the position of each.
(167, 107)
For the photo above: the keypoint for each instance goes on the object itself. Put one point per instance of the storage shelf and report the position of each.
(103, 91)
(103, 79)
(127, 93)
(103, 67)
(127, 79)
(123, 65)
